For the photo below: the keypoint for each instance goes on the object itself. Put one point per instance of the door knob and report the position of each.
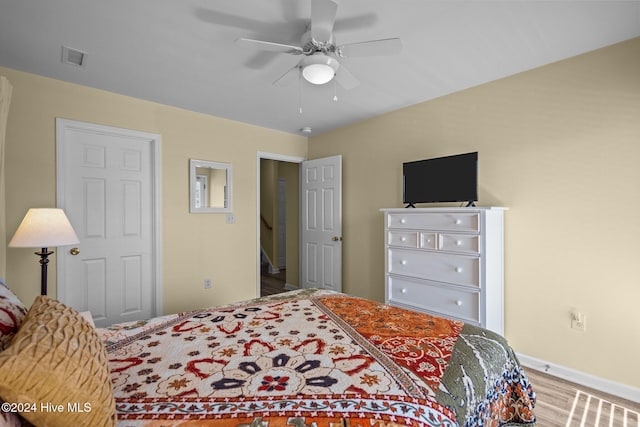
(74, 251)
(336, 239)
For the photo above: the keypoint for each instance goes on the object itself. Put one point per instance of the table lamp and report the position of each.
(44, 228)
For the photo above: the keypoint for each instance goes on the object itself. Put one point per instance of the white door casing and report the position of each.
(321, 223)
(108, 184)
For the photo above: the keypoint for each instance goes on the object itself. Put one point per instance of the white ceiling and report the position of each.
(182, 52)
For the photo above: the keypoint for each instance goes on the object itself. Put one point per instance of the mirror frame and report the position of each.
(193, 164)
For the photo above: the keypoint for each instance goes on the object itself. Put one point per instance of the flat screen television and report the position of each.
(442, 179)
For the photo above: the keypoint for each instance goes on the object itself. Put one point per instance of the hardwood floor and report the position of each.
(272, 283)
(560, 403)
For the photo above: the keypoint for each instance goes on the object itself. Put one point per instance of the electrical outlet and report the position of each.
(578, 321)
(207, 283)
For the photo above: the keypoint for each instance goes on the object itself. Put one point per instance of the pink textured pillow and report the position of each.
(12, 312)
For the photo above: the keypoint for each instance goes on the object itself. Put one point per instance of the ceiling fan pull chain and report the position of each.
(335, 90)
(300, 89)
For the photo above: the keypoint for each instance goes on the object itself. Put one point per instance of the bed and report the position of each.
(310, 358)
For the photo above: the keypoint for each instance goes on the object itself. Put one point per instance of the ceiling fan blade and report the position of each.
(345, 78)
(269, 46)
(355, 22)
(289, 77)
(233, 21)
(323, 16)
(370, 48)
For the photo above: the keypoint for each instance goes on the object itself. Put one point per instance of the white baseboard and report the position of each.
(621, 390)
(290, 287)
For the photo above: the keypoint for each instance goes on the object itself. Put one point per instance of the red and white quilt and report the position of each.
(314, 357)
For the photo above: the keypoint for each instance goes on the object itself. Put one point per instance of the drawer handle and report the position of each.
(403, 291)
(458, 242)
(403, 221)
(403, 239)
(458, 221)
(403, 262)
(458, 269)
(459, 303)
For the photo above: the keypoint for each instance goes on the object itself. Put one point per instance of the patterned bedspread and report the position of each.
(313, 357)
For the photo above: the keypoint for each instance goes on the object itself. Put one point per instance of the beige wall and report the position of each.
(268, 209)
(290, 172)
(195, 246)
(560, 147)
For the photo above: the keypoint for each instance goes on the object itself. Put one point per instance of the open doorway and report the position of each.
(278, 223)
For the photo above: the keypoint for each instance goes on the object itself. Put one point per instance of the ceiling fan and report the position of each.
(321, 56)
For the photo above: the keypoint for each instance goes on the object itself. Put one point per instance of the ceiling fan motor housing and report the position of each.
(311, 46)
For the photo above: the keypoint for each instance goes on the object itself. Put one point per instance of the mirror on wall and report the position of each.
(209, 186)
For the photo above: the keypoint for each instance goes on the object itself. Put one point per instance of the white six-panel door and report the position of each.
(106, 185)
(321, 223)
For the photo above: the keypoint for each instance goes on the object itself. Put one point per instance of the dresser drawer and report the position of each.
(428, 240)
(407, 239)
(435, 298)
(460, 269)
(459, 243)
(447, 221)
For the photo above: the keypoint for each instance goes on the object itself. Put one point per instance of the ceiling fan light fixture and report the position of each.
(319, 69)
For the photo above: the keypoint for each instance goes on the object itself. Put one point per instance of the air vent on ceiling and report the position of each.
(73, 57)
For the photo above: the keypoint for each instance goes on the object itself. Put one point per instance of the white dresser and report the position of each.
(448, 262)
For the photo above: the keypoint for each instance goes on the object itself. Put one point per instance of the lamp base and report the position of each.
(44, 260)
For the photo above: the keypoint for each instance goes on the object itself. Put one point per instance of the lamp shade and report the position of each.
(43, 228)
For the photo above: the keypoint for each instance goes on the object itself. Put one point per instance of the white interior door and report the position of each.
(321, 223)
(107, 185)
